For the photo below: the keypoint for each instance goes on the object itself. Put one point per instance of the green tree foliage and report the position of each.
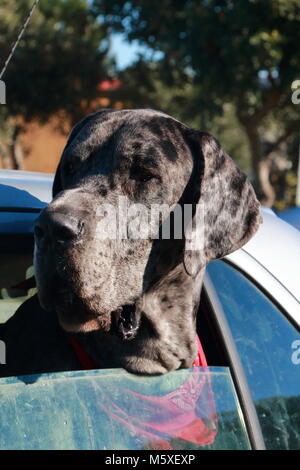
(143, 85)
(58, 64)
(246, 53)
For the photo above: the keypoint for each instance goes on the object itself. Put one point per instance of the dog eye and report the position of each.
(140, 177)
(145, 178)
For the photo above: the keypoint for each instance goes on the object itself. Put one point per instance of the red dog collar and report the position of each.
(88, 363)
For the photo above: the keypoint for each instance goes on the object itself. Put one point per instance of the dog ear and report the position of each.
(225, 209)
(57, 185)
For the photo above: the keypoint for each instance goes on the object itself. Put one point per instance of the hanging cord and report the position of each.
(35, 4)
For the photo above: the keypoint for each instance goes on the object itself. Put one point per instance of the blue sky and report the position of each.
(126, 53)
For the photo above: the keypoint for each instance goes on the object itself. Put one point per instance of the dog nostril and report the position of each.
(64, 232)
(58, 227)
(65, 229)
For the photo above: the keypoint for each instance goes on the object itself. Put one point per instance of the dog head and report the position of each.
(91, 266)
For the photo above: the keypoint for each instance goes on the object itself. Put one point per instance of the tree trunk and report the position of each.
(261, 165)
(17, 153)
(5, 157)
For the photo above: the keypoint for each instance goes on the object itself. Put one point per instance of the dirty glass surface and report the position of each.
(266, 342)
(112, 409)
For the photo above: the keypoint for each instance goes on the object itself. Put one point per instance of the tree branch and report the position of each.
(283, 138)
(273, 97)
(272, 100)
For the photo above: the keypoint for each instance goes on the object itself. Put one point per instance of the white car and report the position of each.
(248, 324)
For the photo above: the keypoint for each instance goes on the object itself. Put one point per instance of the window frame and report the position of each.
(238, 373)
(267, 283)
(236, 368)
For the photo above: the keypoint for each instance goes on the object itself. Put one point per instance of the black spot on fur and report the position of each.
(250, 219)
(220, 161)
(216, 239)
(175, 282)
(112, 184)
(238, 182)
(136, 146)
(103, 191)
(169, 150)
(155, 128)
(151, 160)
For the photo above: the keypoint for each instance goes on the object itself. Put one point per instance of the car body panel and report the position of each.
(276, 248)
(22, 189)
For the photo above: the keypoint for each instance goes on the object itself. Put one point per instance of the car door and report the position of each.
(263, 345)
(247, 412)
(190, 409)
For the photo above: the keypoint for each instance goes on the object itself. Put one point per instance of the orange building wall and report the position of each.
(43, 146)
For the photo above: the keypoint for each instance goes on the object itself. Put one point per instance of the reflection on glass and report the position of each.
(187, 413)
(112, 409)
(264, 339)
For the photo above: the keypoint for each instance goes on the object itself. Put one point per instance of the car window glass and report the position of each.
(266, 341)
(112, 409)
(17, 222)
(16, 259)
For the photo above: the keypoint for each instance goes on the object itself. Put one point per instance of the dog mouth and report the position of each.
(125, 322)
(74, 316)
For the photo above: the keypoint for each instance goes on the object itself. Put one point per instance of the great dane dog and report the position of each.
(131, 302)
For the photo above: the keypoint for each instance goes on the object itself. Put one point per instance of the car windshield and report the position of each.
(112, 409)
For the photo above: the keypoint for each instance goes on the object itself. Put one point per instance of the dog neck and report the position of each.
(166, 336)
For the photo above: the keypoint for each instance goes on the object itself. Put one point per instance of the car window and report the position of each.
(265, 340)
(16, 259)
(17, 222)
(112, 409)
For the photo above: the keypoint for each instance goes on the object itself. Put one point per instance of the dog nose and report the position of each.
(58, 227)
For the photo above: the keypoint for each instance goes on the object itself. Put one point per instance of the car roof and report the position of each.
(292, 216)
(276, 245)
(25, 189)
